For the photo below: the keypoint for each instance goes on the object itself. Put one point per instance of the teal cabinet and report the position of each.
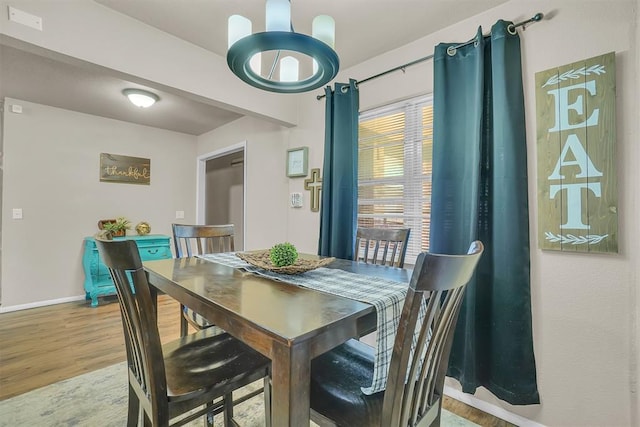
(97, 281)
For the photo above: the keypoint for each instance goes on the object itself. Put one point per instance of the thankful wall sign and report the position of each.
(125, 169)
(576, 129)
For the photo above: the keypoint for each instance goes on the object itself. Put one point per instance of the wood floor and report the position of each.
(44, 345)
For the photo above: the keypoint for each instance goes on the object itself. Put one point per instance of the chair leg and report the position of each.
(133, 413)
(431, 418)
(146, 420)
(208, 420)
(184, 326)
(267, 401)
(228, 410)
(436, 422)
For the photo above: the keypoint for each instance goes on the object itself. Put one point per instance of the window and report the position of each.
(394, 170)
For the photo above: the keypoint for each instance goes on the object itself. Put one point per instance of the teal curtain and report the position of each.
(480, 192)
(339, 209)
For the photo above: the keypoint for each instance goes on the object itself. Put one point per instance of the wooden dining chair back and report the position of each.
(413, 395)
(171, 380)
(385, 246)
(190, 240)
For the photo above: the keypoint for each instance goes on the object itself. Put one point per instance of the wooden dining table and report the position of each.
(288, 324)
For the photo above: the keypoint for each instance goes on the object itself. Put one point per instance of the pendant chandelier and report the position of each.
(244, 56)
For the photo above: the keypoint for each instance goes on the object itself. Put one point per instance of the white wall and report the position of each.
(582, 303)
(635, 274)
(51, 171)
(266, 183)
(303, 225)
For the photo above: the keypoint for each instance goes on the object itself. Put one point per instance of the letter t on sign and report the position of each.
(314, 184)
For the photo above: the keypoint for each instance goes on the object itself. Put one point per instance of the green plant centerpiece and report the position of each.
(283, 258)
(117, 227)
(283, 254)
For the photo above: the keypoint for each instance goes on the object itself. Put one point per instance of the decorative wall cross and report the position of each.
(314, 185)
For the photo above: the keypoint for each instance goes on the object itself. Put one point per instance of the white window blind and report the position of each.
(394, 170)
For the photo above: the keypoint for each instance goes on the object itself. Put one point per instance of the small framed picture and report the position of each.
(297, 162)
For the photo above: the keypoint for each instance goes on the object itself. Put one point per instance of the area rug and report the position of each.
(99, 399)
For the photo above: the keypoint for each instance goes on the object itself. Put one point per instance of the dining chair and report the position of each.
(187, 375)
(190, 240)
(392, 242)
(413, 395)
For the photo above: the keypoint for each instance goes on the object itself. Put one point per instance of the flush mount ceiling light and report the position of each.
(141, 98)
(245, 50)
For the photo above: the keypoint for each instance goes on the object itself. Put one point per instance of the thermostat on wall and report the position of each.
(295, 201)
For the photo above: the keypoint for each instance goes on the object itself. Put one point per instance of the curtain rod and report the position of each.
(536, 18)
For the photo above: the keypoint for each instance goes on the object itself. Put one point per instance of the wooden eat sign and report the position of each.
(576, 128)
(314, 184)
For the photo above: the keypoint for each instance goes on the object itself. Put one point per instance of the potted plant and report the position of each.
(116, 227)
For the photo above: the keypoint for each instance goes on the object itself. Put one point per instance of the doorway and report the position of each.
(221, 190)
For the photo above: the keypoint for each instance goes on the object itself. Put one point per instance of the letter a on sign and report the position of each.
(576, 130)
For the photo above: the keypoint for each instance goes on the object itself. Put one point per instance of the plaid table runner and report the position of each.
(385, 295)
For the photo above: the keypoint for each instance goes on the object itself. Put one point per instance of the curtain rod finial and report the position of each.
(538, 17)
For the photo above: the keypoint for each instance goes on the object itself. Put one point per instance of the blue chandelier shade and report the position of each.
(241, 52)
(245, 53)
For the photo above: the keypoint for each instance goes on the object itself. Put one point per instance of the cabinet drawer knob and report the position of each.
(154, 251)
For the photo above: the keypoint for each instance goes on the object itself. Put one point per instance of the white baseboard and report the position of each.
(11, 308)
(489, 408)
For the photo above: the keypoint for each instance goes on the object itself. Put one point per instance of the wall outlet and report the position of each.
(295, 200)
(17, 213)
(179, 214)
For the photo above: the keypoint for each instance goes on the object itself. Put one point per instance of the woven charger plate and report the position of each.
(261, 260)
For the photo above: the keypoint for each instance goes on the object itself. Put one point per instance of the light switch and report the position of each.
(17, 213)
(179, 214)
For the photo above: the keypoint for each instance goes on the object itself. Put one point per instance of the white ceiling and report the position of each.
(90, 90)
(364, 29)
